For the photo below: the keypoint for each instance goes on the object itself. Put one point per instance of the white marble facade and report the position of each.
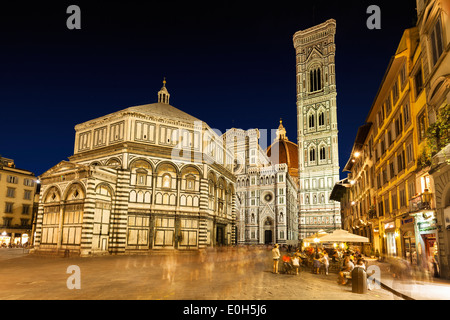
(266, 193)
(317, 128)
(144, 178)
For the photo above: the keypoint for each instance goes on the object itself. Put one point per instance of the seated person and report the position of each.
(346, 270)
(287, 263)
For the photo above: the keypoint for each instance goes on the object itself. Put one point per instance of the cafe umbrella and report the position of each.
(341, 235)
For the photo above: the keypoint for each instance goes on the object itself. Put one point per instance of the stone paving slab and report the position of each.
(216, 277)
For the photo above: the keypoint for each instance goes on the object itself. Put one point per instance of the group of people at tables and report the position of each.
(318, 258)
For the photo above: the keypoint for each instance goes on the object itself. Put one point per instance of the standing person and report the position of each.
(316, 263)
(296, 262)
(325, 262)
(276, 257)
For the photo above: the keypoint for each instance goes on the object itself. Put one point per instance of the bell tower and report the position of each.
(317, 128)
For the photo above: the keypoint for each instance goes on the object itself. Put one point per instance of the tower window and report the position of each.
(321, 119)
(311, 121)
(315, 80)
(322, 153)
(312, 155)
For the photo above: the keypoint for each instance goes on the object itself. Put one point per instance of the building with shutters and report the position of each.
(17, 199)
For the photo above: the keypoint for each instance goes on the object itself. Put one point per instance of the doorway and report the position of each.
(220, 235)
(268, 236)
(431, 253)
(268, 231)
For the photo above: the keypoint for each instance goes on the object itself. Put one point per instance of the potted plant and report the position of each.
(372, 253)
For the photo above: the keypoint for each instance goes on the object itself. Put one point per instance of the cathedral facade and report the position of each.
(317, 128)
(266, 187)
(144, 178)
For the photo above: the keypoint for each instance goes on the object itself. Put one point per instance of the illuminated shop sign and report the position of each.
(427, 225)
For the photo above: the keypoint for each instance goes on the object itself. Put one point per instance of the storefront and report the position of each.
(5, 239)
(427, 242)
(390, 236)
(408, 240)
(13, 239)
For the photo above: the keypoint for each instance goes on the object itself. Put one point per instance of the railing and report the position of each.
(372, 214)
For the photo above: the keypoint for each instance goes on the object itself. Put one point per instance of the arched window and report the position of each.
(322, 153)
(312, 155)
(315, 80)
(166, 181)
(311, 121)
(321, 119)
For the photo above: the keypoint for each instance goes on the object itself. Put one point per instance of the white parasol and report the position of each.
(341, 235)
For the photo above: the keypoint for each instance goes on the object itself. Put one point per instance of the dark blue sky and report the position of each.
(227, 63)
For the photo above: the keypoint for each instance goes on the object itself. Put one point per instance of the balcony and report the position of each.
(420, 202)
(372, 213)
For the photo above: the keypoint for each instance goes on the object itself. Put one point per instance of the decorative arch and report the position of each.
(190, 178)
(167, 166)
(104, 189)
(114, 162)
(167, 175)
(191, 167)
(74, 191)
(52, 194)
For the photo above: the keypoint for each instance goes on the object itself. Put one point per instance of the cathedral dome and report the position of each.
(287, 151)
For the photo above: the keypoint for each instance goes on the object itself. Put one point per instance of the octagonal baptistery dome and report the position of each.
(154, 130)
(284, 151)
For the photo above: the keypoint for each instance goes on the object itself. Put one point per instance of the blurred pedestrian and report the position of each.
(316, 263)
(276, 257)
(325, 262)
(296, 263)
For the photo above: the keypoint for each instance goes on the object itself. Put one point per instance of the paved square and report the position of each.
(227, 275)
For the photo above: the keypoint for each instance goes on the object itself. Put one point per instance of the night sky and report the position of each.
(230, 64)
